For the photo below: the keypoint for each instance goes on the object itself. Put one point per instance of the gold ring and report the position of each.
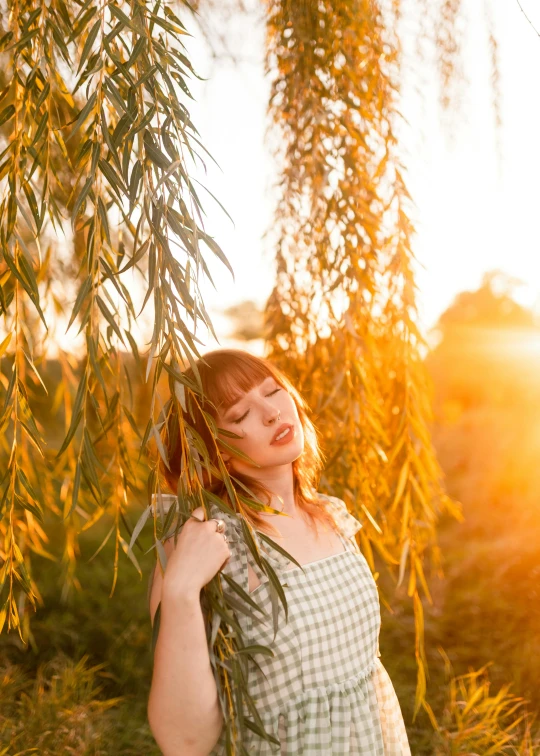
(220, 525)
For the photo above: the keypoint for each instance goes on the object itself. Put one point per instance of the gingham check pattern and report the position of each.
(325, 690)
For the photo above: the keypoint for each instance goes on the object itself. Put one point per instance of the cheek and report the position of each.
(287, 405)
(252, 441)
(294, 414)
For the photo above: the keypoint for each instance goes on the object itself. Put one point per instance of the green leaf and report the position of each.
(26, 483)
(134, 348)
(139, 254)
(5, 40)
(76, 486)
(90, 39)
(77, 412)
(255, 649)
(260, 732)
(104, 542)
(279, 548)
(83, 115)
(32, 203)
(41, 99)
(161, 448)
(115, 180)
(81, 296)
(115, 10)
(76, 419)
(41, 128)
(114, 96)
(80, 199)
(130, 554)
(155, 155)
(135, 180)
(274, 581)
(109, 317)
(6, 114)
(139, 48)
(155, 627)
(237, 588)
(102, 212)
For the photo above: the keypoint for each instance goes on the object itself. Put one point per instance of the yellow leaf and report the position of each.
(405, 515)
(401, 484)
(431, 715)
(5, 343)
(18, 554)
(421, 577)
(411, 588)
(403, 561)
(383, 551)
(370, 518)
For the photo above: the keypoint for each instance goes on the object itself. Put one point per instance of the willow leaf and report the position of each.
(83, 115)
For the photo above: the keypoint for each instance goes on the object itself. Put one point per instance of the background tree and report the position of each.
(342, 316)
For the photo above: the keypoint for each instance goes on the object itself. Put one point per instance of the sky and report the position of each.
(474, 210)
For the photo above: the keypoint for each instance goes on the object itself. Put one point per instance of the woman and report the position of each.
(325, 690)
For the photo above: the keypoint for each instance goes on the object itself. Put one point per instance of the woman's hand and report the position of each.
(200, 552)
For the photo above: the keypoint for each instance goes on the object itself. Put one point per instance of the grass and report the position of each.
(86, 682)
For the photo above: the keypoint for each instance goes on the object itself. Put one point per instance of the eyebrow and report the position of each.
(238, 397)
(226, 407)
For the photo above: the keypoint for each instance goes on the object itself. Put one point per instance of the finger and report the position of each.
(194, 514)
(198, 514)
(220, 524)
(199, 519)
(225, 560)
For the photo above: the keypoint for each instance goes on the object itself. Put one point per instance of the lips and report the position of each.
(287, 437)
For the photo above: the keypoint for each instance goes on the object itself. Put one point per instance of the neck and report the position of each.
(280, 482)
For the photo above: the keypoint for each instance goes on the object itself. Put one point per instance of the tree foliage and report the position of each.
(342, 316)
(98, 135)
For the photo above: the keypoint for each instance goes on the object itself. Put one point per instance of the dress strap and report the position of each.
(345, 522)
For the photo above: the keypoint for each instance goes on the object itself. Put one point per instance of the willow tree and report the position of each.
(96, 144)
(342, 317)
(97, 204)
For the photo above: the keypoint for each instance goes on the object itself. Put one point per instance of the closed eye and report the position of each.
(235, 422)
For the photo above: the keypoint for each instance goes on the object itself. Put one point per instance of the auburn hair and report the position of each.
(225, 375)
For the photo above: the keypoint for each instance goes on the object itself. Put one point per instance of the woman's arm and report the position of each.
(183, 707)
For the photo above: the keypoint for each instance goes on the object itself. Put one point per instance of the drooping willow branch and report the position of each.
(342, 315)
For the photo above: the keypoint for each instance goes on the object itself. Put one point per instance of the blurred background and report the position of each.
(472, 182)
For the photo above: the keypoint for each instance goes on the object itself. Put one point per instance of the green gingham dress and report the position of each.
(325, 690)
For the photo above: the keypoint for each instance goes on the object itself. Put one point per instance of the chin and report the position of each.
(290, 457)
(290, 452)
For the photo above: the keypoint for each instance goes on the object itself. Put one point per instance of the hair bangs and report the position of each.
(227, 375)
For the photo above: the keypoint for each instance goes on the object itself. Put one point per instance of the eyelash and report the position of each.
(245, 413)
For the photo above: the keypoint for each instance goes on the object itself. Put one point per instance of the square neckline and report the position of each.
(309, 564)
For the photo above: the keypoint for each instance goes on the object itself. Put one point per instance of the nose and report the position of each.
(272, 416)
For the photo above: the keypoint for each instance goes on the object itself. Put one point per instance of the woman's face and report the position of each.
(267, 420)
